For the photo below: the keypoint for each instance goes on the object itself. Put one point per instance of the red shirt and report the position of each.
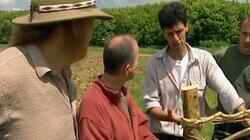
(101, 116)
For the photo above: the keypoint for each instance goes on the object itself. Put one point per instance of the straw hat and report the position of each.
(54, 11)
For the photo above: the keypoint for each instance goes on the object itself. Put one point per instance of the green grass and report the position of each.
(147, 50)
(136, 85)
(211, 50)
(86, 70)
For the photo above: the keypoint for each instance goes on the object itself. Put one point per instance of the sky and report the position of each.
(24, 4)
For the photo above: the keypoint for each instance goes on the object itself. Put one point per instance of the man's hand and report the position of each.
(242, 107)
(246, 123)
(158, 114)
(174, 117)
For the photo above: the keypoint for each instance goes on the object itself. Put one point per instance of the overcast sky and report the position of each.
(24, 4)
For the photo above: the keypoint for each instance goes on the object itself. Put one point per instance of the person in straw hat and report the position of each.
(37, 97)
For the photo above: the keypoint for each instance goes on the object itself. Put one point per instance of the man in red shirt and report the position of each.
(108, 110)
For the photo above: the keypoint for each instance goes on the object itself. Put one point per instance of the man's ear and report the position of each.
(127, 69)
(186, 27)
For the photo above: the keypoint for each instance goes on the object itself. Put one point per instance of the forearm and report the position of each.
(228, 96)
(158, 114)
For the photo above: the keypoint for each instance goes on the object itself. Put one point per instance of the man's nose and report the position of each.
(247, 43)
(248, 38)
(176, 37)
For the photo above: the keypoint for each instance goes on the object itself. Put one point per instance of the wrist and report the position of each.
(173, 117)
(178, 120)
(241, 107)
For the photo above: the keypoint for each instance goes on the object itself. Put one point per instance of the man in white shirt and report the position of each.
(180, 65)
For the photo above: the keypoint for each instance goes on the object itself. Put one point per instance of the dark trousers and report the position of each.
(162, 136)
(224, 130)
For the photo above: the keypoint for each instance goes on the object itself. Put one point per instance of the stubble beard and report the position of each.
(179, 46)
(245, 48)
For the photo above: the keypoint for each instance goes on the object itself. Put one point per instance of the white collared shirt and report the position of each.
(177, 67)
(161, 90)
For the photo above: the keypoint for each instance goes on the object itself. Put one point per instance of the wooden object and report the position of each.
(191, 108)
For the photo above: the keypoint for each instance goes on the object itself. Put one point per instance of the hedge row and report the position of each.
(216, 21)
(5, 24)
(212, 23)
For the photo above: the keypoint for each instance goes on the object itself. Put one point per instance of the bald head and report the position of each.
(118, 52)
(119, 40)
(244, 46)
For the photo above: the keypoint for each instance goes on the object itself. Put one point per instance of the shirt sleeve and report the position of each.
(228, 96)
(90, 130)
(3, 103)
(143, 122)
(242, 85)
(151, 95)
(144, 131)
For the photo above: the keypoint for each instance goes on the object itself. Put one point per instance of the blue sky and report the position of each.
(24, 4)
(14, 4)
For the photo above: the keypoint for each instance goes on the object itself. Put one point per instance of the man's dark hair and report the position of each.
(118, 55)
(171, 14)
(243, 20)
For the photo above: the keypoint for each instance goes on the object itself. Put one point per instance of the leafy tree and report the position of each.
(213, 23)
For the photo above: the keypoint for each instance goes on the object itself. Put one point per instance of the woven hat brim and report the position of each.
(61, 16)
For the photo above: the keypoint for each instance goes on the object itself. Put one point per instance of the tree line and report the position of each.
(213, 23)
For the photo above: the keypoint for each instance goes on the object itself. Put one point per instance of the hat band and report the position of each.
(63, 7)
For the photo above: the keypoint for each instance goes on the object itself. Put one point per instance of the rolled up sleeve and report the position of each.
(151, 96)
(228, 96)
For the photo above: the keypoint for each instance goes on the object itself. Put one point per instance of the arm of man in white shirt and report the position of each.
(228, 96)
(152, 98)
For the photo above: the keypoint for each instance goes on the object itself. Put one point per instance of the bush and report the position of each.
(212, 44)
(140, 21)
(5, 24)
(216, 20)
(211, 23)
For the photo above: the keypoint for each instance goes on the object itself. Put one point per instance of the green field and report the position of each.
(86, 70)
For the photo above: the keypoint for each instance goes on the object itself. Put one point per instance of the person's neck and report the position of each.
(177, 53)
(244, 52)
(112, 81)
(54, 55)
